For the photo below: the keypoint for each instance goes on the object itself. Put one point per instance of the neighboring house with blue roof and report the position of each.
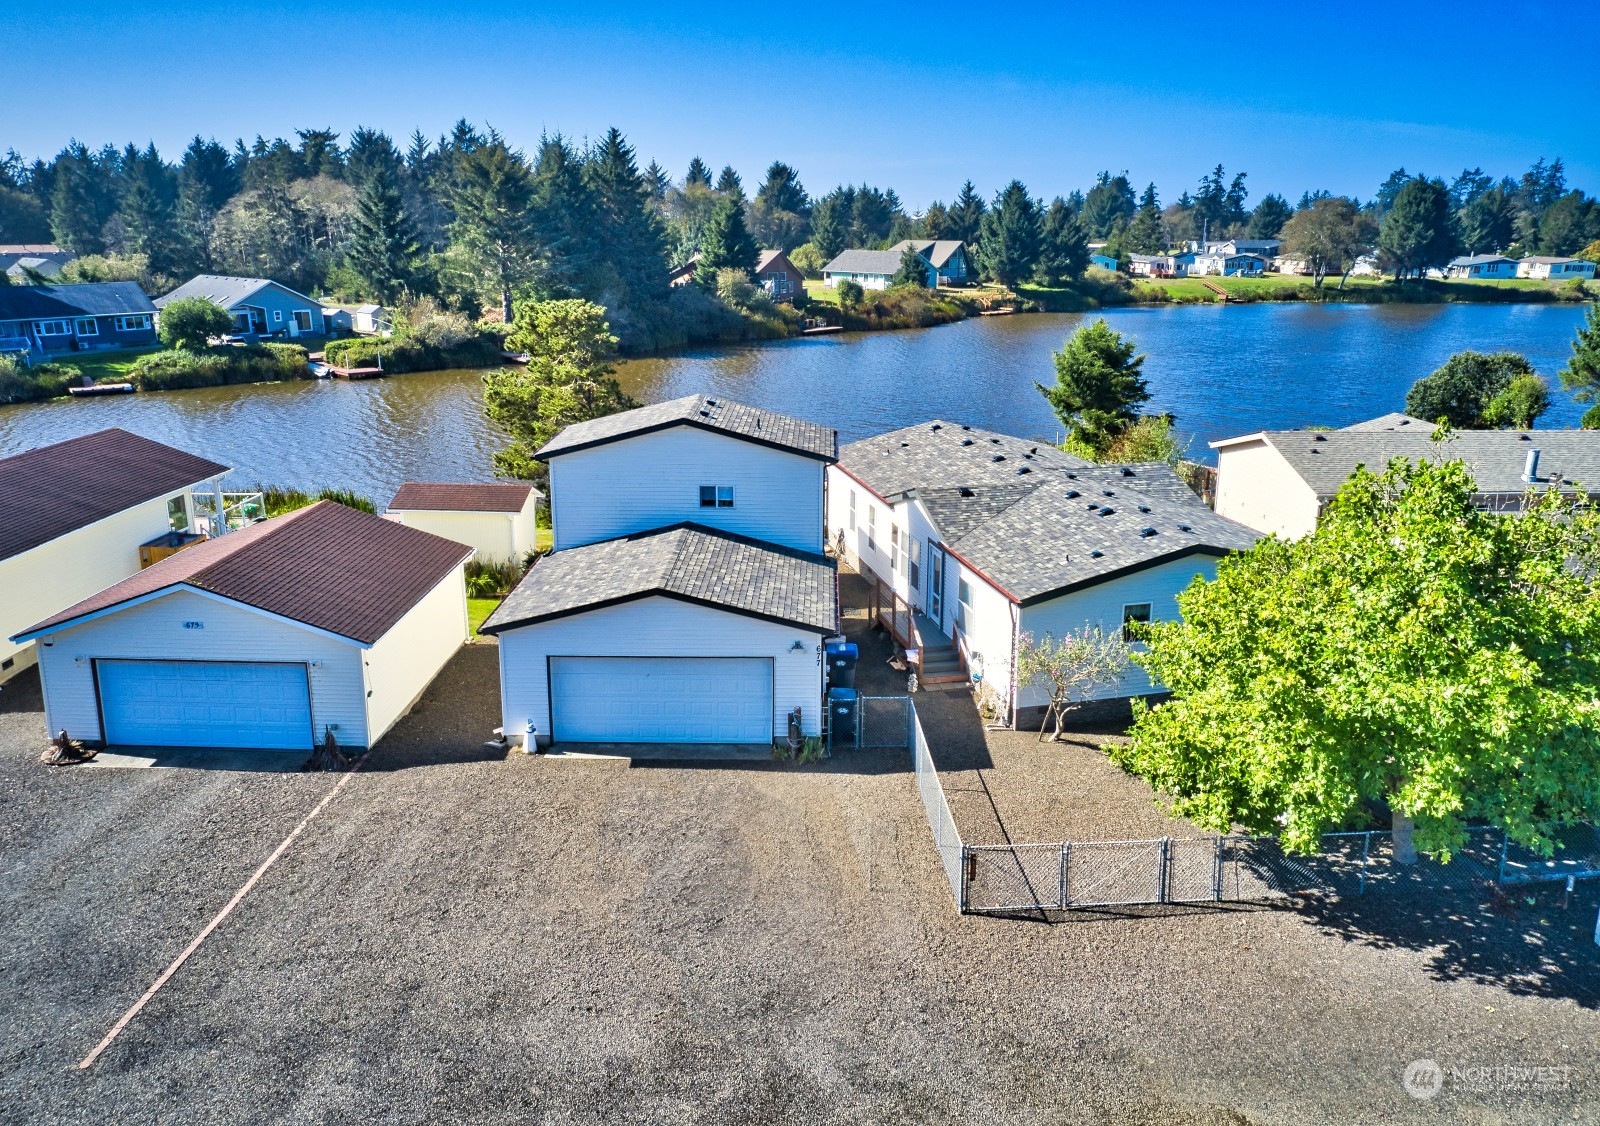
(260, 306)
(42, 320)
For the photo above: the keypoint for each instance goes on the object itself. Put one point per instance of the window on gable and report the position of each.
(716, 496)
(1132, 614)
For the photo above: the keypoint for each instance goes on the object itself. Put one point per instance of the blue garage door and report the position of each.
(205, 704)
(661, 699)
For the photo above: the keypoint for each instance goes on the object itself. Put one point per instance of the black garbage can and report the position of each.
(842, 657)
(842, 715)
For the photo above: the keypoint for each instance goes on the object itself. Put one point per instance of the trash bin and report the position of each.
(842, 708)
(842, 657)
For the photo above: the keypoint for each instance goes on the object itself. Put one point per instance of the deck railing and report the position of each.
(239, 510)
(895, 614)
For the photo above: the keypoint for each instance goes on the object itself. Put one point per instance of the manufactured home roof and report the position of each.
(1546, 260)
(226, 291)
(1395, 420)
(720, 416)
(1072, 528)
(937, 453)
(424, 496)
(86, 299)
(1325, 459)
(328, 566)
(687, 562)
(884, 262)
(48, 492)
(1478, 259)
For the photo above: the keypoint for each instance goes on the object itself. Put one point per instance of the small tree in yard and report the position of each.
(912, 271)
(850, 293)
(1414, 652)
(1098, 386)
(1477, 390)
(567, 379)
(190, 323)
(1581, 375)
(1070, 669)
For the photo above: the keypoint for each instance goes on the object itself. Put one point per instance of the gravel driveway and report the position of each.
(464, 937)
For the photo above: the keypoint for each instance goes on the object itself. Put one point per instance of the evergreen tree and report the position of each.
(1110, 203)
(1211, 206)
(319, 152)
(1419, 230)
(565, 219)
(627, 237)
(966, 216)
(778, 216)
(1268, 218)
(1234, 211)
(936, 221)
(727, 243)
(698, 173)
(1469, 391)
(1099, 386)
(1144, 234)
(383, 246)
(728, 182)
(80, 202)
(149, 195)
(370, 151)
(493, 233)
(828, 231)
(912, 271)
(656, 182)
(207, 180)
(1063, 247)
(872, 216)
(1581, 375)
(1489, 222)
(1008, 244)
(1390, 189)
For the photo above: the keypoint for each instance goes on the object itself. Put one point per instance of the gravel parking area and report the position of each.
(468, 937)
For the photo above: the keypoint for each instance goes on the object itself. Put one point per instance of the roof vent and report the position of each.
(994, 441)
(905, 445)
(1523, 438)
(1107, 492)
(1107, 511)
(1146, 533)
(966, 428)
(966, 493)
(1072, 476)
(966, 441)
(1184, 528)
(1530, 468)
(1022, 470)
(1096, 554)
(705, 414)
(1073, 494)
(1033, 450)
(1093, 505)
(998, 457)
(1144, 508)
(1126, 472)
(711, 402)
(1319, 437)
(936, 426)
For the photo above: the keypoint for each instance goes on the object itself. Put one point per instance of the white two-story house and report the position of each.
(688, 596)
(991, 537)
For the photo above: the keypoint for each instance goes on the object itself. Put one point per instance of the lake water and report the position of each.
(1221, 370)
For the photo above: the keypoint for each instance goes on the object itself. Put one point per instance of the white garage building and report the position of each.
(325, 619)
(681, 635)
(496, 520)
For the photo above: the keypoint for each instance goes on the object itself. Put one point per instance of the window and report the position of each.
(50, 328)
(1132, 613)
(716, 496)
(964, 593)
(177, 515)
(277, 316)
(872, 527)
(894, 548)
(914, 562)
(86, 326)
(302, 320)
(139, 322)
(852, 515)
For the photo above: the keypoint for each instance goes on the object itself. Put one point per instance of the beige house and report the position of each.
(497, 520)
(1277, 481)
(73, 517)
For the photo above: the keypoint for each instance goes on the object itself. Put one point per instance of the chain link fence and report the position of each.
(880, 721)
(946, 838)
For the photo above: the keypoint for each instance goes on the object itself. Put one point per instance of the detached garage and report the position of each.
(682, 635)
(322, 620)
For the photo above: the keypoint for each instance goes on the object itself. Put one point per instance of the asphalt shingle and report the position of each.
(722, 416)
(940, 454)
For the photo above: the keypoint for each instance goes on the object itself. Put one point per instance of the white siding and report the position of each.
(1259, 489)
(496, 536)
(988, 623)
(65, 571)
(653, 481)
(404, 661)
(658, 627)
(155, 630)
(871, 515)
(1101, 605)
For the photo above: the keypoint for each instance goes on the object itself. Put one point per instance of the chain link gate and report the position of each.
(881, 721)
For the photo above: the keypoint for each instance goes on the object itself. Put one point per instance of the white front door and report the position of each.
(661, 699)
(205, 704)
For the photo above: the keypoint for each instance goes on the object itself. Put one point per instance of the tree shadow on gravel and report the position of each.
(1528, 939)
(22, 693)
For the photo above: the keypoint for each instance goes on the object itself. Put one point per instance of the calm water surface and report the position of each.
(1221, 370)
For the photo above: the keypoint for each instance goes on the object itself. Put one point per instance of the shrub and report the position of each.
(278, 499)
(491, 580)
(808, 260)
(179, 369)
(21, 384)
(191, 322)
(407, 353)
(850, 293)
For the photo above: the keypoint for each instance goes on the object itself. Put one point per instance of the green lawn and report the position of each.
(479, 609)
(543, 538)
(819, 291)
(106, 367)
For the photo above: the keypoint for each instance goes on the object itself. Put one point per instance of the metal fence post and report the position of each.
(1366, 847)
(1066, 859)
(1161, 873)
(1216, 873)
(1500, 876)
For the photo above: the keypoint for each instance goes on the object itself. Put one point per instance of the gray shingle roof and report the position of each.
(1395, 420)
(86, 299)
(941, 454)
(1495, 458)
(1077, 527)
(687, 562)
(226, 291)
(721, 416)
(937, 251)
(1478, 259)
(864, 262)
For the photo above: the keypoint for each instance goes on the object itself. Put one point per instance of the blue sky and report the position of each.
(917, 97)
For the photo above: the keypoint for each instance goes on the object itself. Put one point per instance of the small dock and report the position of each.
(95, 390)
(355, 373)
(821, 330)
(1215, 288)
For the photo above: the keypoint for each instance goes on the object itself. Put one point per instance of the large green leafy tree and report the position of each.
(568, 379)
(1474, 391)
(728, 243)
(1413, 651)
(1008, 245)
(1099, 386)
(1063, 246)
(383, 249)
(1581, 375)
(1420, 230)
(493, 234)
(190, 322)
(1328, 235)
